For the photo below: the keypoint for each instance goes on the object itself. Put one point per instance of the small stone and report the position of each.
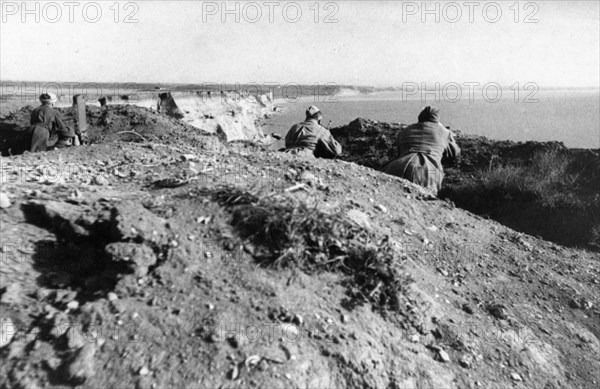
(345, 319)
(444, 357)
(499, 311)
(359, 217)
(586, 304)
(204, 219)
(4, 200)
(210, 306)
(112, 296)
(298, 319)
(73, 305)
(234, 373)
(307, 176)
(516, 377)
(468, 309)
(144, 371)
(381, 208)
(574, 304)
(466, 361)
(290, 331)
(100, 180)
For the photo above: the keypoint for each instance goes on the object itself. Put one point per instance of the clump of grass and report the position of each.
(546, 178)
(290, 233)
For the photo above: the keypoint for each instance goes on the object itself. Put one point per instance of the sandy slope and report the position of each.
(109, 279)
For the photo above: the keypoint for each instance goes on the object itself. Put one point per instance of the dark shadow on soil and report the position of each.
(72, 262)
(83, 268)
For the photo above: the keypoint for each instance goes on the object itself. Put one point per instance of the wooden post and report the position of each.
(80, 116)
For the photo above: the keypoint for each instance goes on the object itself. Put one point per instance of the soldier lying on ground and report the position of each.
(421, 147)
(309, 138)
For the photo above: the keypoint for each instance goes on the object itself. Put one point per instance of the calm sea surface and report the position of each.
(571, 116)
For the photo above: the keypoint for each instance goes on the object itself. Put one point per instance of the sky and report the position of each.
(379, 43)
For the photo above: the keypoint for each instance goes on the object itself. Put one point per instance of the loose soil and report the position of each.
(124, 263)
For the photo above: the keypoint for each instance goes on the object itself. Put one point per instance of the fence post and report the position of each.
(80, 116)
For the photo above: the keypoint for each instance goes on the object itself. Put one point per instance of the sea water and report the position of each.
(571, 116)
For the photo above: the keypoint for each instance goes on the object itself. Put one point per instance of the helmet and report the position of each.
(312, 110)
(48, 98)
(314, 113)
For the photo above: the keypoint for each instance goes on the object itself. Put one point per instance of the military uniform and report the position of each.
(47, 128)
(309, 138)
(421, 148)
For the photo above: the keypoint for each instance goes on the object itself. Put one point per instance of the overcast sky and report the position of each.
(366, 43)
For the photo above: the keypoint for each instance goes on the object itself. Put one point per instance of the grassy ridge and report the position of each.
(552, 193)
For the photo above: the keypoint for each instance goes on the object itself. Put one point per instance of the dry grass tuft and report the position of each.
(289, 233)
(547, 180)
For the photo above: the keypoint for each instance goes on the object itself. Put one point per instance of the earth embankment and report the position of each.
(163, 257)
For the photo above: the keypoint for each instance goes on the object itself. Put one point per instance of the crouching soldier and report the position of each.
(421, 147)
(309, 138)
(47, 127)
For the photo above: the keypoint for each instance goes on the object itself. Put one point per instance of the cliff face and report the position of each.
(233, 114)
(161, 256)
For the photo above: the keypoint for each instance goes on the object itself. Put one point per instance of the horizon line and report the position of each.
(325, 84)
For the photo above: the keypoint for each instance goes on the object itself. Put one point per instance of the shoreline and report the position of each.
(552, 119)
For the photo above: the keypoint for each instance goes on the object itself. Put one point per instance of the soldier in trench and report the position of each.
(47, 128)
(421, 147)
(309, 138)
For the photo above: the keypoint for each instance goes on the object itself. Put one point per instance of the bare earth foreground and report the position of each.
(143, 260)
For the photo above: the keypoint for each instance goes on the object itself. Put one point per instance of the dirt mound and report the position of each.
(114, 123)
(153, 264)
(367, 142)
